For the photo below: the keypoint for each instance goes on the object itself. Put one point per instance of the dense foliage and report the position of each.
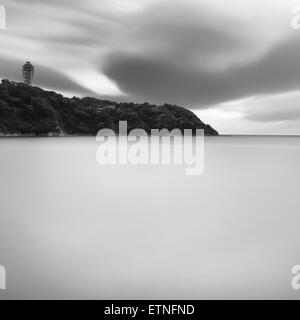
(26, 110)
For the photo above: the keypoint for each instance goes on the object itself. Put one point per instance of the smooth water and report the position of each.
(70, 228)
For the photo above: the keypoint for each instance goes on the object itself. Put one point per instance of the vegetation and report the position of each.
(31, 111)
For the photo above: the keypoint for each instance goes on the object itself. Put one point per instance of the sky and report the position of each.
(235, 63)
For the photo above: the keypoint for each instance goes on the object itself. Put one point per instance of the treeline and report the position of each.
(26, 110)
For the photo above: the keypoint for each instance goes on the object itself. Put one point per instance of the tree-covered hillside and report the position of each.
(26, 110)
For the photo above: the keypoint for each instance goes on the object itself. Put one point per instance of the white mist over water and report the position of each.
(70, 228)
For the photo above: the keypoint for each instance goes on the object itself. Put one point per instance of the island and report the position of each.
(31, 111)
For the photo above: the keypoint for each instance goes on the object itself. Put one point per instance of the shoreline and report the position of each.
(208, 136)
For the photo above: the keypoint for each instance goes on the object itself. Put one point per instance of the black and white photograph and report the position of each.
(149, 150)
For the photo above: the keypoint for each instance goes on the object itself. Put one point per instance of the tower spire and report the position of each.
(28, 72)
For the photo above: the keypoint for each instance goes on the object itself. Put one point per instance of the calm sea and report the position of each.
(70, 228)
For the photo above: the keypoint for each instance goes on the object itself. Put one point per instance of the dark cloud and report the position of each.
(283, 107)
(186, 34)
(150, 78)
(275, 116)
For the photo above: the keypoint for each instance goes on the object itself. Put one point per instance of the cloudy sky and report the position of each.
(235, 63)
